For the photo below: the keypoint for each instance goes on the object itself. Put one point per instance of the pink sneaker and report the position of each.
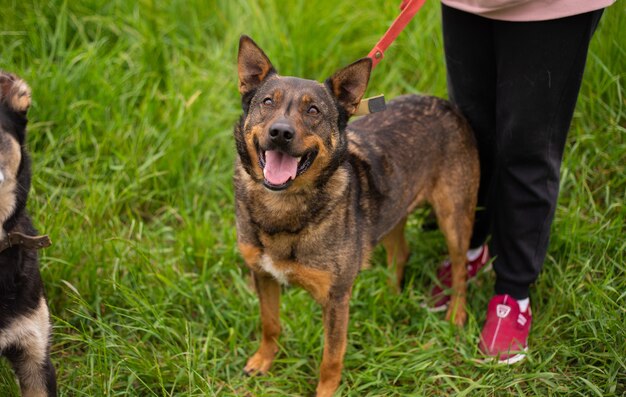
(505, 334)
(439, 294)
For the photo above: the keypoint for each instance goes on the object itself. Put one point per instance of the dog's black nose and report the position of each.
(281, 133)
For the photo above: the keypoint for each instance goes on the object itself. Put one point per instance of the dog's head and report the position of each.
(292, 132)
(14, 103)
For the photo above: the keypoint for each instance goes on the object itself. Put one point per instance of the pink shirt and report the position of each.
(527, 10)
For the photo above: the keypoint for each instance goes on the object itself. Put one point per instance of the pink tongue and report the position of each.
(279, 167)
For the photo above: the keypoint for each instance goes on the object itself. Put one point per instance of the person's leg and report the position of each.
(540, 67)
(471, 75)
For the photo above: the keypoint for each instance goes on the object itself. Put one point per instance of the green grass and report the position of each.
(131, 137)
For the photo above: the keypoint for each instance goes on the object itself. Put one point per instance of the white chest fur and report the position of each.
(279, 274)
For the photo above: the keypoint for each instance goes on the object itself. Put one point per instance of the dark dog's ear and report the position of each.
(253, 65)
(14, 92)
(348, 84)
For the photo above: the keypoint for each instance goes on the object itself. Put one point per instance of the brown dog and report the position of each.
(315, 195)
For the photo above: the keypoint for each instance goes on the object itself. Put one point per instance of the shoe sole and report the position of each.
(507, 361)
(438, 309)
(434, 309)
(515, 359)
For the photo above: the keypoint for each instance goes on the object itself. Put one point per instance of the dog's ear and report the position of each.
(348, 84)
(14, 92)
(253, 65)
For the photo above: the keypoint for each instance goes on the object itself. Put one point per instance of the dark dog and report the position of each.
(24, 318)
(315, 195)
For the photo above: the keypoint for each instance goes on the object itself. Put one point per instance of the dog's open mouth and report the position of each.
(280, 169)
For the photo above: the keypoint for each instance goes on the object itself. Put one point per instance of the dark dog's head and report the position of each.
(14, 173)
(292, 132)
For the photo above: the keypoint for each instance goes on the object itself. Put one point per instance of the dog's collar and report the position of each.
(30, 242)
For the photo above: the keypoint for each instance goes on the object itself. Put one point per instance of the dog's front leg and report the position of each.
(336, 313)
(268, 290)
(30, 356)
(33, 368)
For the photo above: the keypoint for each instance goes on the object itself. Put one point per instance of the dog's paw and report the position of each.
(259, 364)
(456, 313)
(14, 92)
(325, 391)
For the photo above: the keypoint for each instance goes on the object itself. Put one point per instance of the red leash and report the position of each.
(409, 9)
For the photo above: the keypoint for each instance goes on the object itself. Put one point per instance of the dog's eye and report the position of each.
(268, 102)
(313, 110)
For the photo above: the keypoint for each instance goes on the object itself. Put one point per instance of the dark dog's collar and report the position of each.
(30, 242)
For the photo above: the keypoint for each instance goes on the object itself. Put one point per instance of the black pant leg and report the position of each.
(539, 67)
(471, 75)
